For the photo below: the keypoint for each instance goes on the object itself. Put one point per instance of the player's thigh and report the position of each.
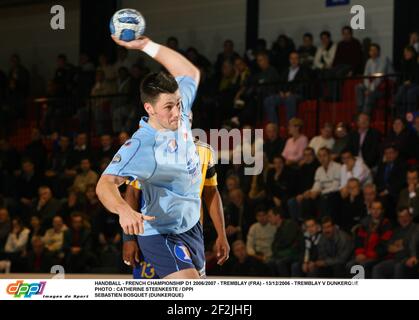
(190, 273)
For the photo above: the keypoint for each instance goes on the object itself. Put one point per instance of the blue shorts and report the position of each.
(169, 253)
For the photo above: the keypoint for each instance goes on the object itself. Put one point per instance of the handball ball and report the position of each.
(127, 24)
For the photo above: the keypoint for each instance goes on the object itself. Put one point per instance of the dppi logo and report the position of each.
(27, 290)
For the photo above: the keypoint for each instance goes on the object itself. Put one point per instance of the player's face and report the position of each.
(166, 111)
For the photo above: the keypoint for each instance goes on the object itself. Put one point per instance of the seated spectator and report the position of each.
(409, 197)
(54, 237)
(365, 141)
(348, 57)
(287, 245)
(80, 152)
(353, 167)
(244, 264)
(47, 206)
(260, 237)
(122, 108)
(228, 54)
(415, 138)
(5, 227)
(325, 53)
(291, 92)
(325, 139)
(296, 143)
(232, 182)
(77, 245)
(106, 150)
(370, 195)
(411, 264)
(16, 243)
(353, 208)
(405, 98)
(28, 182)
(39, 259)
(280, 182)
(85, 177)
(325, 190)
(391, 178)
(371, 239)
(305, 178)
(37, 230)
(238, 216)
(36, 151)
(173, 43)
(401, 137)
(307, 51)
(399, 248)
(273, 144)
(368, 92)
(414, 40)
(341, 140)
(312, 236)
(198, 59)
(72, 203)
(281, 50)
(334, 250)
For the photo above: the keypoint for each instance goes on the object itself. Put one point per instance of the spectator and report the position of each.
(273, 143)
(325, 139)
(405, 98)
(228, 54)
(353, 167)
(106, 150)
(305, 179)
(71, 204)
(173, 43)
(5, 227)
(325, 53)
(365, 141)
(341, 140)
(348, 57)
(370, 195)
(122, 138)
(399, 248)
(39, 259)
(353, 208)
(260, 237)
(198, 59)
(27, 184)
(409, 197)
(280, 182)
(401, 138)
(391, 178)
(244, 264)
(80, 151)
(368, 92)
(296, 143)
(312, 236)
(109, 70)
(36, 151)
(371, 239)
(123, 58)
(85, 177)
(232, 182)
(287, 244)
(77, 245)
(122, 109)
(325, 188)
(16, 243)
(238, 216)
(335, 248)
(414, 40)
(54, 237)
(63, 77)
(47, 206)
(36, 228)
(280, 52)
(307, 51)
(291, 92)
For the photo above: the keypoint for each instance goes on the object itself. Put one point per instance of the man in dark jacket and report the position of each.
(245, 265)
(409, 197)
(293, 82)
(334, 250)
(399, 248)
(287, 245)
(365, 141)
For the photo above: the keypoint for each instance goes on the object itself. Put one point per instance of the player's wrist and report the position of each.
(151, 48)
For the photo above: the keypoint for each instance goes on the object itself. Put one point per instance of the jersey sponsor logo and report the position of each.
(182, 253)
(172, 146)
(117, 158)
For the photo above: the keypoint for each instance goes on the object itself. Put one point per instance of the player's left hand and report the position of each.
(223, 250)
(138, 44)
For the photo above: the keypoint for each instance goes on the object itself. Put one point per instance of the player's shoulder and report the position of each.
(204, 146)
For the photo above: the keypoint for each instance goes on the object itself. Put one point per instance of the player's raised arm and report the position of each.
(174, 62)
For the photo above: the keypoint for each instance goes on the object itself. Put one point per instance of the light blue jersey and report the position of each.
(166, 164)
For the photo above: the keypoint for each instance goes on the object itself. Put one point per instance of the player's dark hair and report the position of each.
(156, 83)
